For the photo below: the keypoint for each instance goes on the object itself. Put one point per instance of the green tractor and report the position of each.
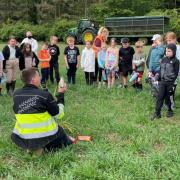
(86, 31)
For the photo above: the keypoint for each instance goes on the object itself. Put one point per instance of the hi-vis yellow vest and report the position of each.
(30, 126)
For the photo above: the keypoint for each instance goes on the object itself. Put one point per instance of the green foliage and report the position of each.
(60, 28)
(40, 32)
(174, 18)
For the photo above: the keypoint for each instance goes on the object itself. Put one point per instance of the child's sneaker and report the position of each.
(170, 114)
(120, 86)
(155, 116)
(99, 85)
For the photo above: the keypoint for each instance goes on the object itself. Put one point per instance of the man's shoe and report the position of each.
(170, 114)
(155, 116)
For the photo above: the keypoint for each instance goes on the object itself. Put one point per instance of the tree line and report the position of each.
(43, 11)
(56, 16)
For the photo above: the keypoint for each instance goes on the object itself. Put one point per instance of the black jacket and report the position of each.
(169, 69)
(22, 61)
(126, 56)
(54, 52)
(29, 100)
(6, 54)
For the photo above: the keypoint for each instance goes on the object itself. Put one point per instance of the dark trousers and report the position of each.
(89, 77)
(71, 74)
(165, 91)
(61, 141)
(101, 74)
(96, 70)
(45, 75)
(54, 66)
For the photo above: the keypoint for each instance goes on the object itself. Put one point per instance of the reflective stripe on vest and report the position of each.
(37, 135)
(61, 111)
(29, 126)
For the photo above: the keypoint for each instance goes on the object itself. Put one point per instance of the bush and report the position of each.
(61, 27)
(173, 16)
(40, 32)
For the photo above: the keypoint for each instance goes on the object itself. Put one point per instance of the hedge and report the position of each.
(40, 32)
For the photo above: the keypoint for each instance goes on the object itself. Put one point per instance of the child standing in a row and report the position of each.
(54, 65)
(72, 58)
(156, 55)
(44, 58)
(126, 53)
(169, 69)
(101, 64)
(138, 64)
(1, 70)
(171, 38)
(111, 62)
(88, 63)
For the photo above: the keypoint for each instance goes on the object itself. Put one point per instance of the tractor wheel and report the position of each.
(88, 35)
(144, 40)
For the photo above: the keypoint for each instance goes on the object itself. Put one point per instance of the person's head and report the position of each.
(29, 34)
(88, 44)
(27, 50)
(113, 42)
(54, 40)
(12, 41)
(104, 46)
(171, 38)
(139, 46)
(157, 39)
(171, 50)
(31, 76)
(125, 42)
(104, 33)
(70, 41)
(45, 46)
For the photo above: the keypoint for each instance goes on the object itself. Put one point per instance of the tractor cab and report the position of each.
(85, 31)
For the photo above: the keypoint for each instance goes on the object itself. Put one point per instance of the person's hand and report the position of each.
(77, 66)
(62, 89)
(67, 66)
(149, 74)
(5, 70)
(106, 66)
(154, 44)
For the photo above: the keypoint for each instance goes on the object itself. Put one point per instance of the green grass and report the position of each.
(126, 144)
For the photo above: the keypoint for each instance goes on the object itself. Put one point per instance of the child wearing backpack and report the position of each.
(111, 62)
(88, 63)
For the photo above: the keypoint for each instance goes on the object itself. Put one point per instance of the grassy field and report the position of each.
(126, 144)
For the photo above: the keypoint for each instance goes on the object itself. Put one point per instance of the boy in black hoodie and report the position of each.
(169, 69)
(54, 52)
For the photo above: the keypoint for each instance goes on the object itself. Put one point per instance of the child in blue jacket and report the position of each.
(156, 55)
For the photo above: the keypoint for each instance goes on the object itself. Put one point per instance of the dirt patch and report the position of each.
(159, 147)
